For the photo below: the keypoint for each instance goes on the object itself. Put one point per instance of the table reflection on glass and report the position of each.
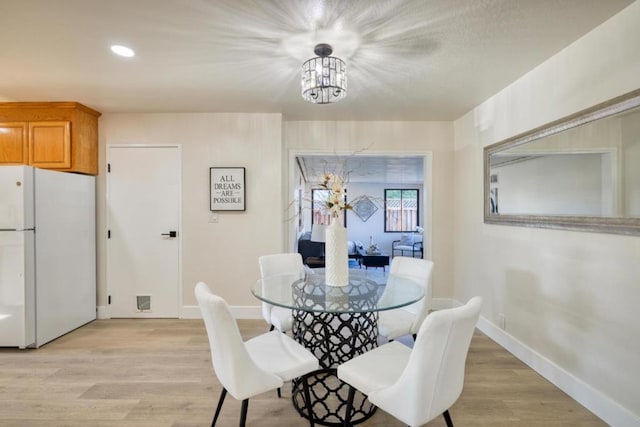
(336, 324)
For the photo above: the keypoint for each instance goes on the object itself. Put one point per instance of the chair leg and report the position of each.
(347, 414)
(271, 328)
(414, 337)
(447, 418)
(279, 393)
(307, 397)
(243, 414)
(219, 407)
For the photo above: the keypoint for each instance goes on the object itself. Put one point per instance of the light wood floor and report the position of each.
(155, 372)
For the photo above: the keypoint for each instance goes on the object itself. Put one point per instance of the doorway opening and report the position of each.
(367, 176)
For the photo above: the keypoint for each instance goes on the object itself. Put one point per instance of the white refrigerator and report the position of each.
(47, 254)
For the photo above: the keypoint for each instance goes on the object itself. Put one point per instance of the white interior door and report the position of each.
(143, 256)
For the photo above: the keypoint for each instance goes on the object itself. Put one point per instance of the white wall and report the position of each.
(571, 297)
(409, 138)
(223, 254)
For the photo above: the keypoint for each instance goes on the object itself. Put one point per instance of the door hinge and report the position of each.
(108, 234)
(108, 167)
(109, 299)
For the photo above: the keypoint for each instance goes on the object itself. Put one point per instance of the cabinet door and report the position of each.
(50, 144)
(14, 146)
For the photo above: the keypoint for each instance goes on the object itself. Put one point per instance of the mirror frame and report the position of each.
(615, 225)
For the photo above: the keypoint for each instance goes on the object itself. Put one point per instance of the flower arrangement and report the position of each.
(336, 202)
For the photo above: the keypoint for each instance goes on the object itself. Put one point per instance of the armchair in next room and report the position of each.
(410, 243)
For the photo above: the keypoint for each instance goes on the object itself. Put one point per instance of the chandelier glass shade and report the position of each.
(324, 78)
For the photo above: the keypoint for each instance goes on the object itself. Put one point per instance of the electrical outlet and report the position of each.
(213, 217)
(502, 321)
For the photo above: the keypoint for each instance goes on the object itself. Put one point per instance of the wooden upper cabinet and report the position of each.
(51, 135)
(50, 145)
(14, 145)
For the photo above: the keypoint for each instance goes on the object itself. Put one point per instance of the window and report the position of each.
(319, 213)
(401, 210)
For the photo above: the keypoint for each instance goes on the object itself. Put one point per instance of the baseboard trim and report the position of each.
(442, 303)
(238, 311)
(193, 312)
(247, 312)
(190, 312)
(602, 406)
(255, 312)
(102, 312)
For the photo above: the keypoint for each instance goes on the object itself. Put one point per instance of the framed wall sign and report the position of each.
(227, 189)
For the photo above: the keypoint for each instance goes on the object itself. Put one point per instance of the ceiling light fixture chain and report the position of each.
(324, 78)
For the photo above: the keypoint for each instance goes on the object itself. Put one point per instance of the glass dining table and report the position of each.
(336, 324)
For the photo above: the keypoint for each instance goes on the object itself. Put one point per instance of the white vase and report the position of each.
(335, 254)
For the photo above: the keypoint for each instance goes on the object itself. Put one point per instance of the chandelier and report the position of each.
(324, 78)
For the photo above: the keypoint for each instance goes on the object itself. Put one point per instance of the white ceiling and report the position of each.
(406, 59)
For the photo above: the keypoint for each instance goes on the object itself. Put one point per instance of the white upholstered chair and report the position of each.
(408, 243)
(246, 369)
(417, 385)
(407, 320)
(279, 318)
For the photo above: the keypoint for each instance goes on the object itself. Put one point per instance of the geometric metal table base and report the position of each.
(335, 323)
(333, 338)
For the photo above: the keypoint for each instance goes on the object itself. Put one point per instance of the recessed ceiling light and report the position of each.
(122, 50)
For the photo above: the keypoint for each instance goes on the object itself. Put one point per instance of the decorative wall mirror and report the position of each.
(581, 172)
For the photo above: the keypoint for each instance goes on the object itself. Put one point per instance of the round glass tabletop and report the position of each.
(364, 293)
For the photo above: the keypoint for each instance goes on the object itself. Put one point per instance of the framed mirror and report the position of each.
(581, 172)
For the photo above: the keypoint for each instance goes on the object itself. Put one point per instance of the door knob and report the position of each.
(170, 234)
